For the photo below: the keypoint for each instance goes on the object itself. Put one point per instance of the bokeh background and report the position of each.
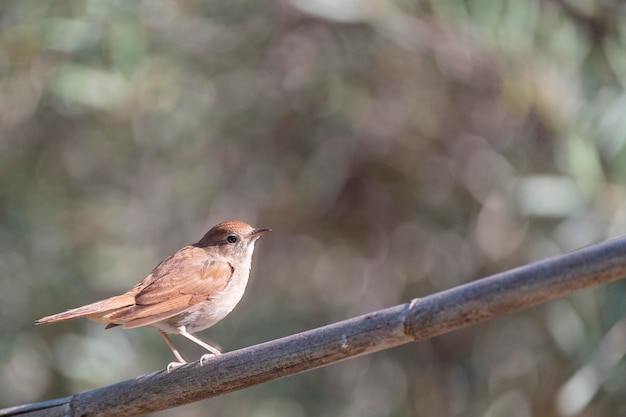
(397, 149)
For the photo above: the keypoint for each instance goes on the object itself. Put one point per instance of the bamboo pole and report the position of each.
(417, 320)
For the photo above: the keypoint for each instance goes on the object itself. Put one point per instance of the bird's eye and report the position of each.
(231, 239)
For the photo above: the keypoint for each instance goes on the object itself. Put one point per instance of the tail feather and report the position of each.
(98, 311)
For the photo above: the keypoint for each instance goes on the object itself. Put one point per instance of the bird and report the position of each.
(189, 291)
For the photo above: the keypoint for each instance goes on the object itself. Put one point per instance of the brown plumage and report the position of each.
(189, 291)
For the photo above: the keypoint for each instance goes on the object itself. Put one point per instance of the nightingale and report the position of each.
(189, 291)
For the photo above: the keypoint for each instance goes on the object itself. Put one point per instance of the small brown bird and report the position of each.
(189, 291)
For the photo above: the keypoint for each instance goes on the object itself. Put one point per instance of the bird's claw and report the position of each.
(206, 357)
(174, 365)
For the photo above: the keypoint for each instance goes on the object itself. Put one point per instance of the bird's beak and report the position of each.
(257, 233)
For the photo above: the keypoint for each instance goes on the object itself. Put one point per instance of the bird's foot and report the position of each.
(173, 365)
(207, 357)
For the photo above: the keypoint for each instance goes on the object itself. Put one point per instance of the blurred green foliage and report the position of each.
(396, 149)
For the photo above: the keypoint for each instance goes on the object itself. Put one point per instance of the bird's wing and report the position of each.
(186, 278)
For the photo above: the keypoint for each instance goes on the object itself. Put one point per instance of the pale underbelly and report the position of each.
(202, 317)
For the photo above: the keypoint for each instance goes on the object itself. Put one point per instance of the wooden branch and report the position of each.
(417, 320)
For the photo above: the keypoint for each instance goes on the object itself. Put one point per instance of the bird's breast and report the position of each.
(207, 313)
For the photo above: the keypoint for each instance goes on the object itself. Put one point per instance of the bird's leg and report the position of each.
(183, 331)
(181, 361)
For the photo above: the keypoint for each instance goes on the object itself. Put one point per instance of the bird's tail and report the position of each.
(98, 311)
